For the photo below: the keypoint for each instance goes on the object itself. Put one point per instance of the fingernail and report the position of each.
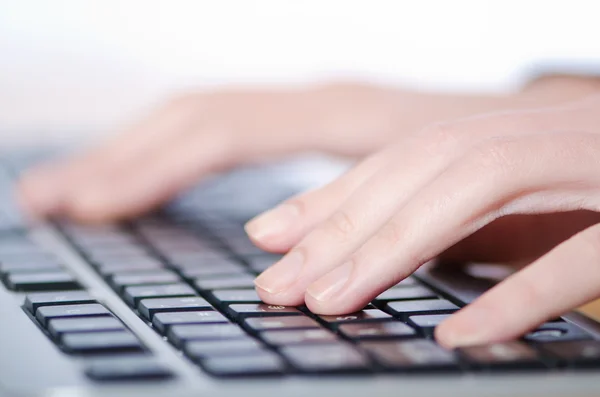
(465, 329)
(330, 284)
(272, 222)
(281, 275)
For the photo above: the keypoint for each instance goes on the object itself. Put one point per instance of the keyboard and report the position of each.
(187, 272)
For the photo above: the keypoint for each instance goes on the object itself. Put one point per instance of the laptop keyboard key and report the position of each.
(258, 364)
(120, 280)
(406, 308)
(201, 349)
(129, 266)
(133, 295)
(127, 369)
(44, 281)
(225, 282)
(557, 331)
(427, 323)
(294, 337)
(411, 355)
(237, 296)
(179, 334)
(260, 310)
(510, 355)
(286, 322)
(203, 271)
(579, 354)
(417, 292)
(59, 326)
(33, 301)
(335, 357)
(45, 313)
(363, 315)
(148, 307)
(162, 321)
(101, 342)
(379, 330)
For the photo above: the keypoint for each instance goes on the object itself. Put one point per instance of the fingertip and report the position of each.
(91, 204)
(39, 192)
(272, 229)
(280, 299)
(467, 327)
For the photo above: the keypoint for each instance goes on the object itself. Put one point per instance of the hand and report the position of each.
(470, 188)
(205, 132)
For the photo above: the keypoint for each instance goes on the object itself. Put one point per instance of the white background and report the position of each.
(78, 67)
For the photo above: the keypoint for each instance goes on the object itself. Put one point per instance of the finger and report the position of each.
(283, 226)
(135, 191)
(45, 188)
(565, 278)
(497, 178)
(409, 165)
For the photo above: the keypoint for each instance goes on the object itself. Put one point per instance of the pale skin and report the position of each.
(511, 178)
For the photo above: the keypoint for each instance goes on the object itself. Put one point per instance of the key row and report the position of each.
(78, 324)
(25, 266)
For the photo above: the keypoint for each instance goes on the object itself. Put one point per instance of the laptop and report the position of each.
(164, 305)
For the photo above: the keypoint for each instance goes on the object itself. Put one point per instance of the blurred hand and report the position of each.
(468, 189)
(206, 132)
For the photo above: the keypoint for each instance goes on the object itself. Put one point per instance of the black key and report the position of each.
(33, 301)
(294, 337)
(201, 349)
(34, 265)
(202, 270)
(237, 296)
(148, 307)
(514, 354)
(260, 310)
(17, 245)
(287, 322)
(133, 295)
(103, 253)
(162, 321)
(556, 332)
(225, 282)
(411, 355)
(120, 280)
(580, 353)
(127, 369)
(59, 326)
(427, 323)
(259, 363)
(129, 266)
(363, 315)
(178, 334)
(103, 240)
(45, 281)
(379, 330)
(404, 309)
(406, 293)
(45, 313)
(101, 342)
(335, 357)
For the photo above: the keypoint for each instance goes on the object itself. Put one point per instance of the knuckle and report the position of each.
(339, 226)
(441, 137)
(498, 156)
(390, 234)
